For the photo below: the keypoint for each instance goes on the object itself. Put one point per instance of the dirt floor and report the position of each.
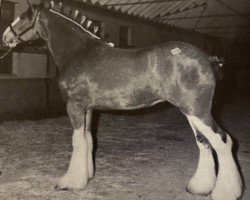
(148, 156)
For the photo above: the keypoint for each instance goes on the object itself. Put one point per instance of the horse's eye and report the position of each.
(29, 13)
(22, 16)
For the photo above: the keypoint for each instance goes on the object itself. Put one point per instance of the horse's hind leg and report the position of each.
(228, 184)
(77, 174)
(90, 144)
(193, 93)
(203, 180)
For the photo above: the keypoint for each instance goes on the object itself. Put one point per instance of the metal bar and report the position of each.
(228, 7)
(201, 15)
(126, 9)
(133, 8)
(142, 2)
(225, 27)
(166, 8)
(117, 1)
(205, 16)
(187, 9)
(230, 33)
(141, 8)
(153, 8)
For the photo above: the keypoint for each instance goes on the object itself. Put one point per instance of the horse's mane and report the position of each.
(73, 15)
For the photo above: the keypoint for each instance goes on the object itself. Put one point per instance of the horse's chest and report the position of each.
(75, 89)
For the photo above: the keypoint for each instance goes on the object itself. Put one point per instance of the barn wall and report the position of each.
(21, 95)
(29, 98)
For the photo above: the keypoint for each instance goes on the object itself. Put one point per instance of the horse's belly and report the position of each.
(98, 92)
(121, 98)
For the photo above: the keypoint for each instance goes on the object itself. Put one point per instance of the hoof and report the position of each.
(63, 189)
(189, 190)
(91, 176)
(228, 186)
(227, 194)
(71, 183)
(201, 186)
(67, 188)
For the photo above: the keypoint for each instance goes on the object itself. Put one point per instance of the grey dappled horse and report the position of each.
(94, 75)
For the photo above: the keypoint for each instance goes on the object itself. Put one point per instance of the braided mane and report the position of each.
(73, 15)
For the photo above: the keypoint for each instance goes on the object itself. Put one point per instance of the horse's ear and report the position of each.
(46, 3)
(30, 5)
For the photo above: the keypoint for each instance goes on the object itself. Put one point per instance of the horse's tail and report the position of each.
(217, 65)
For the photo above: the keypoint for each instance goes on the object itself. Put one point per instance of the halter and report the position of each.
(33, 24)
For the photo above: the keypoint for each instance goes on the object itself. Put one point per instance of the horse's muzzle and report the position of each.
(9, 39)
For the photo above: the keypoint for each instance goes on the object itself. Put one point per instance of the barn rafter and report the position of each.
(191, 14)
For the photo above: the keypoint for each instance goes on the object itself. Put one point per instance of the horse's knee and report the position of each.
(76, 114)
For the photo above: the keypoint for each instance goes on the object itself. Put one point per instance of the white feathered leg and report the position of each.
(90, 144)
(76, 176)
(229, 184)
(203, 180)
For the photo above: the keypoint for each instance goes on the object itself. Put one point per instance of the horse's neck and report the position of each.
(65, 43)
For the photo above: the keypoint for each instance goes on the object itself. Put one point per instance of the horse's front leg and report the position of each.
(90, 144)
(77, 174)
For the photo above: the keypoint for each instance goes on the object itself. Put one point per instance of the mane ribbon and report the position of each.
(74, 23)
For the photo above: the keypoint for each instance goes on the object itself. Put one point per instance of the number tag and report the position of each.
(175, 51)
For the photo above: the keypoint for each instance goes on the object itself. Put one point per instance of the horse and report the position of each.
(93, 75)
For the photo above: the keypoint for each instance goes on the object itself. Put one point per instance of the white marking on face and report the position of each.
(6, 31)
(8, 34)
(15, 21)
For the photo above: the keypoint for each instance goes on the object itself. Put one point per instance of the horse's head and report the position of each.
(25, 28)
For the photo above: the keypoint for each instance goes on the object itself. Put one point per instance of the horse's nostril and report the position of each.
(7, 40)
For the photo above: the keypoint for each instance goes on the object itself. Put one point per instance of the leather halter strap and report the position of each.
(19, 35)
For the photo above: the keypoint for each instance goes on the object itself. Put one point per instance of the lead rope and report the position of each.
(5, 54)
